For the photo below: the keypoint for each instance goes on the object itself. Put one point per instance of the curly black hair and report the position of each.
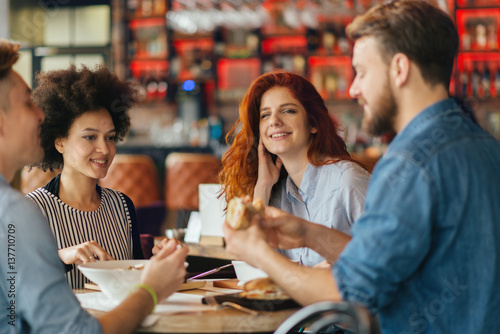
(64, 95)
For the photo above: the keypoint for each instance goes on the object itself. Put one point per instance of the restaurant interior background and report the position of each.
(194, 59)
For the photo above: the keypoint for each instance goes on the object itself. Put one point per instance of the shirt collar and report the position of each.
(308, 186)
(425, 115)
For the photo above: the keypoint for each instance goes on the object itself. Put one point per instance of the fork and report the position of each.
(210, 300)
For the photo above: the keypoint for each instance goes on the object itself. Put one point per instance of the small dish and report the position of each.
(245, 272)
(115, 278)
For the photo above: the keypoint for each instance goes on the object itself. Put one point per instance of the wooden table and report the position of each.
(213, 321)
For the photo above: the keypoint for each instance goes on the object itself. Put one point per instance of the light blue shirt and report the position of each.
(426, 253)
(34, 294)
(331, 195)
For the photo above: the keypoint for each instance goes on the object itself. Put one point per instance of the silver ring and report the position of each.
(91, 257)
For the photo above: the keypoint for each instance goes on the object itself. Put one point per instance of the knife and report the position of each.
(206, 273)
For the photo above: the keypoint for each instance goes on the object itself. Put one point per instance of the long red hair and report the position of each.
(240, 163)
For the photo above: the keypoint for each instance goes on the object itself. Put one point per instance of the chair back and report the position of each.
(35, 178)
(322, 315)
(184, 172)
(136, 176)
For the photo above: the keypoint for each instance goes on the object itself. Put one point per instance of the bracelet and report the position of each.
(150, 290)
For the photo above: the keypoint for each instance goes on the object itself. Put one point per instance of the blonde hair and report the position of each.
(8, 56)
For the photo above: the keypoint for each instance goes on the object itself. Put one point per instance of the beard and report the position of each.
(383, 113)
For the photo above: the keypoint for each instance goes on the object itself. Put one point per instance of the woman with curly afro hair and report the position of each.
(286, 151)
(86, 113)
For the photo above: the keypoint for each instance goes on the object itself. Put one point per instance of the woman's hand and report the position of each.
(268, 174)
(89, 251)
(160, 245)
(166, 270)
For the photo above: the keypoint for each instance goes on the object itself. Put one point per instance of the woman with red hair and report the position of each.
(286, 150)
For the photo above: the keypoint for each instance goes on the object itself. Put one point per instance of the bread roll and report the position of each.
(263, 288)
(240, 212)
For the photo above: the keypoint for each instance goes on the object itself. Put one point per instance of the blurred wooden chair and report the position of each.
(35, 178)
(136, 176)
(367, 161)
(184, 172)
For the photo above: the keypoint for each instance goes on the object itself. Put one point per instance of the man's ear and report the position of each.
(59, 144)
(400, 69)
(314, 130)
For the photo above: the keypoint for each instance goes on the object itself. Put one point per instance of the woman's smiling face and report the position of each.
(90, 145)
(284, 128)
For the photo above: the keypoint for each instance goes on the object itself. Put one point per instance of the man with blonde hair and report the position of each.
(34, 294)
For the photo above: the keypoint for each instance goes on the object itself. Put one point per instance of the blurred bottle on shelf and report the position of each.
(328, 40)
(215, 128)
(175, 64)
(191, 102)
(342, 88)
(317, 80)
(162, 87)
(133, 6)
(481, 39)
(486, 81)
(159, 7)
(151, 87)
(194, 135)
(219, 42)
(331, 84)
(464, 82)
(312, 40)
(492, 38)
(497, 82)
(146, 7)
(466, 39)
(252, 42)
(204, 134)
(132, 48)
(480, 79)
(476, 80)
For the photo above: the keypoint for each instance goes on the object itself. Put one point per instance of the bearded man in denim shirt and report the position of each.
(425, 256)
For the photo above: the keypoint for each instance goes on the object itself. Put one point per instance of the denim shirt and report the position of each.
(426, 253)
(34, 294)
(331, 195)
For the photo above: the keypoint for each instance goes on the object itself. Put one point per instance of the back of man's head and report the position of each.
(8, 57)
(421, 31)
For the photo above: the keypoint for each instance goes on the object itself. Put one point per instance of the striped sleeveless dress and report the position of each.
(110, 226)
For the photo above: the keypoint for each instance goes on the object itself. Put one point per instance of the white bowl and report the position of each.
(113, 277)
(245, 272)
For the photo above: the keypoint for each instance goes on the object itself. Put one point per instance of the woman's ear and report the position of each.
(314, 130)
(59, 144)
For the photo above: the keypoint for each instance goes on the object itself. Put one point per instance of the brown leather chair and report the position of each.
(35, 178)
(184, 172)
(367, 161)
(136, 176)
